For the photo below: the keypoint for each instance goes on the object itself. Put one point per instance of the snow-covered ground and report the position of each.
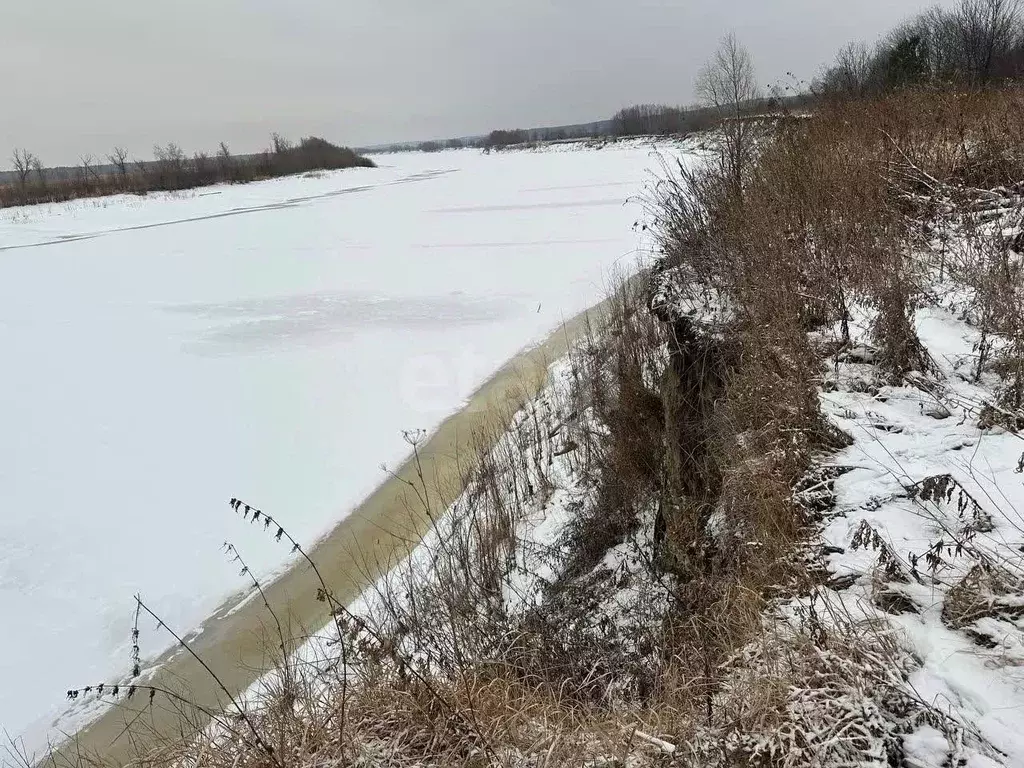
(163, 354)
(928, 531)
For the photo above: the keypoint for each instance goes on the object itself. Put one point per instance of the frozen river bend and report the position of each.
(162, 354)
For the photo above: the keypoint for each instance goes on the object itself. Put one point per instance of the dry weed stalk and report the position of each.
(693, 409)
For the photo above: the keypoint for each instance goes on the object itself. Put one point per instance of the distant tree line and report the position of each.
(437, 146)
(170, 169)
(659, 120)
(975, 43)
(506, 138)
(663, 120)
(499, 139)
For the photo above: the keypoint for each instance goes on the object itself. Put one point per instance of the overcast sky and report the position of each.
(85, 75)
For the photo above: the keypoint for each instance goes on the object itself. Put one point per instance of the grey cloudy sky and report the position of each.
(84, 75)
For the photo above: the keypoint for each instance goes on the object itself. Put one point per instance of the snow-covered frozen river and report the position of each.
(162, 354)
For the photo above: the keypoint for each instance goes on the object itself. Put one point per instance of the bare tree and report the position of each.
(727, 81)
(88, 169)
(851, 73)
(727, 84)
(24, 161)
(201, 168)
(119, 159)
(40, 171)
(170, 161)
(936, 28)
(280, 144)
(225, 162)
(172, 155)
(987, 30)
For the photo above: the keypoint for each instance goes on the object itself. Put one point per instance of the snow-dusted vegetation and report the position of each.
(764, 512)
(761, 508)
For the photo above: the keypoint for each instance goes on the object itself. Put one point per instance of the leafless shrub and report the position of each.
(981, 593)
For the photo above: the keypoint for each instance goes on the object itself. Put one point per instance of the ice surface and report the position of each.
(164, 353)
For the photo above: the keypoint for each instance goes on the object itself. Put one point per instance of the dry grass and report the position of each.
(687, 427)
